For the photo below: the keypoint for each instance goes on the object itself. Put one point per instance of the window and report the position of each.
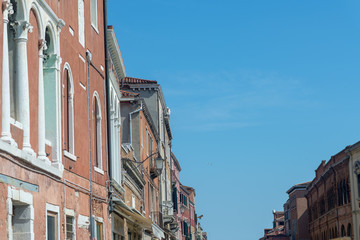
(99, 230)
(114, 131)
(68, 105)
(51, 226)
(149, 148)
(21, 221)
(343, 233)
(97, 133)
(20, 214)
(141, 132)
(51, 101)
(93, 13)
(349, 233)
(133, 201)
(70, 228)
(81, 22)
(52, 222)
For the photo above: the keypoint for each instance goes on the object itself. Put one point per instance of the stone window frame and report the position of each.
(98, 167)
(22, 197)
(71, 213)
(99, 220)
(71, 122)
(94, 15)
(54, 209)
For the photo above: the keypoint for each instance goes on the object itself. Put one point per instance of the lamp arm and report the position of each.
(141, 162)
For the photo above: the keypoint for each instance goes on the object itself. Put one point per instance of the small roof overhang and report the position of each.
(132, 214)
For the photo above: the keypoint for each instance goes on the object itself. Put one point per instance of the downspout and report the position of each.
(107, 92)
(88, 60)
(136, 111)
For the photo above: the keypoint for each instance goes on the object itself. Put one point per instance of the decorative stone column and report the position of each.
(22, 79)
(5, 126)
(41, 117)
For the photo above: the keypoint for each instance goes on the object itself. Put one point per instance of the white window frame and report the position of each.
(99, 167)
(70, 103)
(81, 22)
(100, 220)
(94, 14)
(23, 197)
(54, 209)
(71, 213)
(133, 202)
(141, 132)
(114, 131)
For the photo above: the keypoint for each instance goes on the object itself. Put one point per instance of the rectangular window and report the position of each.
(70, 226)
(52, 222)
(93, 13)
(52, 226)
(81, 22)
(21, 224)
(133, 201)
(141, 132)
(150, 149)
(99, 230)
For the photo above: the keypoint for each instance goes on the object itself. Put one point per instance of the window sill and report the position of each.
(95, 28)
(54, 168)
(70, 155)
(16, 123)
(96, 169)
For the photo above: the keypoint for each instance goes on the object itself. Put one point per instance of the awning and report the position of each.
(131, 214)
(158, 232)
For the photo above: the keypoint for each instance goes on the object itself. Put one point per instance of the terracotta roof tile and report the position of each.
(131, 80)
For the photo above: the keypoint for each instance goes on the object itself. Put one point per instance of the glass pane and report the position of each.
(51, 231)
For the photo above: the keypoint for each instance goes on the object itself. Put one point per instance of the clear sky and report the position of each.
(260, 92)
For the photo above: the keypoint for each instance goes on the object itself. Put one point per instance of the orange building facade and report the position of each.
(53, 120)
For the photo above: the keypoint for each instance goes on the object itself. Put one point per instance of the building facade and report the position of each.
(329, 200)
(85, 151)
(53, 134)
(296, 213)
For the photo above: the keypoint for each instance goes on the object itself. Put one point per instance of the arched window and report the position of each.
(68, 108)
(343, 232)
(336, 232)
(344, 191)
(348, 190)
(97, 132)
(49, 74)
(349, 232)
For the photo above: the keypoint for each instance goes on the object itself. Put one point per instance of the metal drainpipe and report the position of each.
(107, 88)
(92, 229)
(138, 110)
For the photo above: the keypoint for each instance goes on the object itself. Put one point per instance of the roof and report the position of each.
(190, 189)
(128, 94)
(131, 80)
(115, 53)
(298, 186)
(177, 164)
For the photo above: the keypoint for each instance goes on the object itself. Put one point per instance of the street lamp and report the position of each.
(159, 161)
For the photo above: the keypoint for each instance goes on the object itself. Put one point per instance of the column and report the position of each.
(5, 126)
(41, 137)
(21, 68)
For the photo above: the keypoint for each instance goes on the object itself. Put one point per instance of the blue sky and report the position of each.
(260, 92)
